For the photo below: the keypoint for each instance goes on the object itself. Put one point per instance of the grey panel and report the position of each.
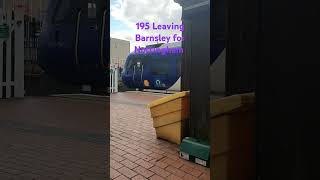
(195, 68)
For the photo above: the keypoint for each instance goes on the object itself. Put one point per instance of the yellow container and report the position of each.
(168, 115)
(232, 137)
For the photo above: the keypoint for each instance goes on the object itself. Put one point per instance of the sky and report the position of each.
(126, 13)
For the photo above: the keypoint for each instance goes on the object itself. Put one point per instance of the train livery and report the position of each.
(74, 42)
(158, 71)
(151, 71)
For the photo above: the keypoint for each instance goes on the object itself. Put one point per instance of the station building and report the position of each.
(119, 51)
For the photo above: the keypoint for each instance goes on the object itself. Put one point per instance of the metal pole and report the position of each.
(116, 80)
(111, 81)
(19, 51)
(2, 12)
(8, 58)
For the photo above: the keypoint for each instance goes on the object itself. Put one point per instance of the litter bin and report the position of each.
(4, 32)
(168, 115)
(232, 137)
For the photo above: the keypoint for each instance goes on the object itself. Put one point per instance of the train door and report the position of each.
(172, 75)
(138, 72)
(87, 36)
(176, 73)
(103, 22)
(58, 37)
(160, 71)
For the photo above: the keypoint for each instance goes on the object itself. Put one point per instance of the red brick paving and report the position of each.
(127, 172)
(139, 177)
(156, 177)
(175, 171)
(159, 171)
(144, 172)
(115, 165)
(53, 138)
(129, 164)
(145, 157)
(173, 177)
(122, 177)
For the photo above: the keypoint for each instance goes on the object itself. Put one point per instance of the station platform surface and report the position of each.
(53, 138)
(136, 153)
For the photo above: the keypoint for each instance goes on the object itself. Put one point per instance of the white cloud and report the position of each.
(130, 12)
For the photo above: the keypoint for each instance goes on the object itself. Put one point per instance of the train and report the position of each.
(152, 70)
(157, 71)
(74, 47)
(74, 42)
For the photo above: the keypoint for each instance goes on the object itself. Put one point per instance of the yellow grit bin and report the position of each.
(168, 115)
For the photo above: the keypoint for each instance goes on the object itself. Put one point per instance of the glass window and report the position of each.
(92, 10)
(136, 61)
(61, 11)
(159, 67)
(130, 63)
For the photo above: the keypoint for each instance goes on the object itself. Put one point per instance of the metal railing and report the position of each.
(31, 51)
(31, 46)
(31, 37)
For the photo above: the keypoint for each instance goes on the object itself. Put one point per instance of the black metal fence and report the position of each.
(31, 41)
(31, 34)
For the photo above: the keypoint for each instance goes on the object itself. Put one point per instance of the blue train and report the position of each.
(74, 42)
(163, 71)
(153, 70)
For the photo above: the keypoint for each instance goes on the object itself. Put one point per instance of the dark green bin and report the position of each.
(197, 151)
(4, 31)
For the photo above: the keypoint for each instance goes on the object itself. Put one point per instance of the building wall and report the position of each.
(119, 51)
(36, 8)
(5, 6)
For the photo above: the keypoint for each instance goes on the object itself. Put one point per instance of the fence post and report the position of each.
(116, 74)
(12, 49)
(19, 49)
(114, 77)
(111, 80)
(2, 11)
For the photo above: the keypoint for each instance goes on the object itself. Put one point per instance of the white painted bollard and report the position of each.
(12, 49)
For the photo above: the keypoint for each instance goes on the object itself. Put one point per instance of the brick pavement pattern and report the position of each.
(53, 138)
(135, 151)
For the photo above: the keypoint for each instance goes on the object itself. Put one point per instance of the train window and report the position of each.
(61, 12)
(92, 11)
(92, 5)
(130, 64)
(160, 67)
(138, 64)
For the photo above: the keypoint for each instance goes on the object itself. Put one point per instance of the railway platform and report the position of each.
(65, 137)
